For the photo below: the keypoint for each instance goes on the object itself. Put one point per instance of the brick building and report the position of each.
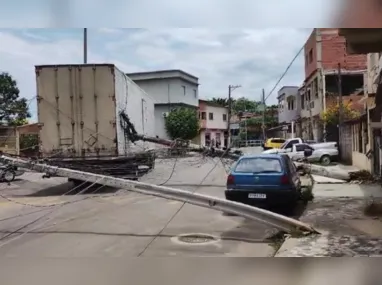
(324, 50)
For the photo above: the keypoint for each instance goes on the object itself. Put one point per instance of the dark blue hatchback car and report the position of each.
(265, 179)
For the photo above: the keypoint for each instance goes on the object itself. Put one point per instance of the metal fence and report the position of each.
(244, 143)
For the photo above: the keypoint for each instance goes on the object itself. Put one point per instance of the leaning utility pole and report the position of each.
(264, 109)
(230, 89)
(85, 45)
(340, 105)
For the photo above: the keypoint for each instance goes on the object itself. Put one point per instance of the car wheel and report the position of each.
(325, 160)
(9, 176)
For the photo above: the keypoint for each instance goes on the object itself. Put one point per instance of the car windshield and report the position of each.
(258, 165)
(284, 144)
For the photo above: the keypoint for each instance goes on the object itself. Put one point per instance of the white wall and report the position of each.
(374, 65)
(170, 90)
(160, 129)
(217, 122)
(139, 106)
(213, 136)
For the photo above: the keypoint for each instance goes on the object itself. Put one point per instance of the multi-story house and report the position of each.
(170, 89)
(213, 124)
(288, 108)
(325, 55)
(364, 135)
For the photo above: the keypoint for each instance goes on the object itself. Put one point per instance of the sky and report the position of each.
(252, 58)
(220, 42)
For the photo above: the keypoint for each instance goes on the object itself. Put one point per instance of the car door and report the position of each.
(299, 149)
(293, 172)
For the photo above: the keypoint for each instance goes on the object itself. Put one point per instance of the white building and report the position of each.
(213, 124)
(169, 88)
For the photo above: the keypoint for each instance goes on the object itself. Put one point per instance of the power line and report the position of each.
(285, 72)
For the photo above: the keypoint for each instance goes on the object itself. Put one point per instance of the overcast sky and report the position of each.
(229, 43)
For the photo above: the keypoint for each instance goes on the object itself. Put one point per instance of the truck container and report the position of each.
(81, 110)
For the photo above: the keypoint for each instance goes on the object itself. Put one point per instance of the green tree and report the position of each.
(13, 109)
(182, 123)
(243, 104)
(220, 101)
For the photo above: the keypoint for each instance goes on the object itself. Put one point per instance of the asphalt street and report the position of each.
(118, 223)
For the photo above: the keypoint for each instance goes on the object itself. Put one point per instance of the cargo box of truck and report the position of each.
(81, 110)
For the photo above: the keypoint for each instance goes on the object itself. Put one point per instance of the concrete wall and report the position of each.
(160, 129)
(374, 65)
(170, 90)
(361, 161)
(310, 46)
(288, 93)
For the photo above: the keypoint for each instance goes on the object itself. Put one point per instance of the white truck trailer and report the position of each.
(82, 110)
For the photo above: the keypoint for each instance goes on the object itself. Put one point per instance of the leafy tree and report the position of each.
(182, 123)
(331, 115)
(29, 142)
(223, 102)
(244, 104)
(13, 109)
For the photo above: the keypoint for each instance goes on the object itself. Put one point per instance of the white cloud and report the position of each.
(253, 58)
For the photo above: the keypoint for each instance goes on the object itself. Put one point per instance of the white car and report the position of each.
(323, 155)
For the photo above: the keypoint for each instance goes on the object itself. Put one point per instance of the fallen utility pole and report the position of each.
(226, 153)
(266, 217)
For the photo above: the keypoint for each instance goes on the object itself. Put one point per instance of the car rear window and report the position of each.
(278, 141)
(258, 165)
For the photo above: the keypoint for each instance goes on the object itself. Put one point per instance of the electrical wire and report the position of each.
(181, 207)
(285, 72)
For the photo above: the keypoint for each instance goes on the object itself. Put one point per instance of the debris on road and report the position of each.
(266, 217)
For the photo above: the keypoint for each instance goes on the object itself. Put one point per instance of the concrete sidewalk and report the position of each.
(338, 212)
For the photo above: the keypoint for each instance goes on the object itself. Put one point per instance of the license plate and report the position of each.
(257, 196)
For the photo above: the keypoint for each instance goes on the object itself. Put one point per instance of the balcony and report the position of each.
(362, 41)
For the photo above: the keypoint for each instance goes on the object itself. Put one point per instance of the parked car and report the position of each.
(323, 155)
(264, 180)
(273, 143)
(290, 142)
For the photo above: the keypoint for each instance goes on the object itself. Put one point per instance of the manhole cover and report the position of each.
(195, 239)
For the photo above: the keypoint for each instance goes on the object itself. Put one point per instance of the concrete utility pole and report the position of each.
(230, 89)
(264, 109)
(340, 105)
(85, 45)
(268, 218)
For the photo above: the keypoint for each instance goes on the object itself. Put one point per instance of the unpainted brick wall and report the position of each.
(310, 44)
(334, 52)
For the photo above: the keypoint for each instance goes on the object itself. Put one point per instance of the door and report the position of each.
(299, 149)
(292, 171)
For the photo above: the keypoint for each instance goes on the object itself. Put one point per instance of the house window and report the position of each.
(224, 117)
(210, 116)
(302, 101)
(311, 56)
(184, 89)
(195, 93)
(291, 105)
(204, 116)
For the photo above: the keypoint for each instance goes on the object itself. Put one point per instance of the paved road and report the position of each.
(123, 224)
